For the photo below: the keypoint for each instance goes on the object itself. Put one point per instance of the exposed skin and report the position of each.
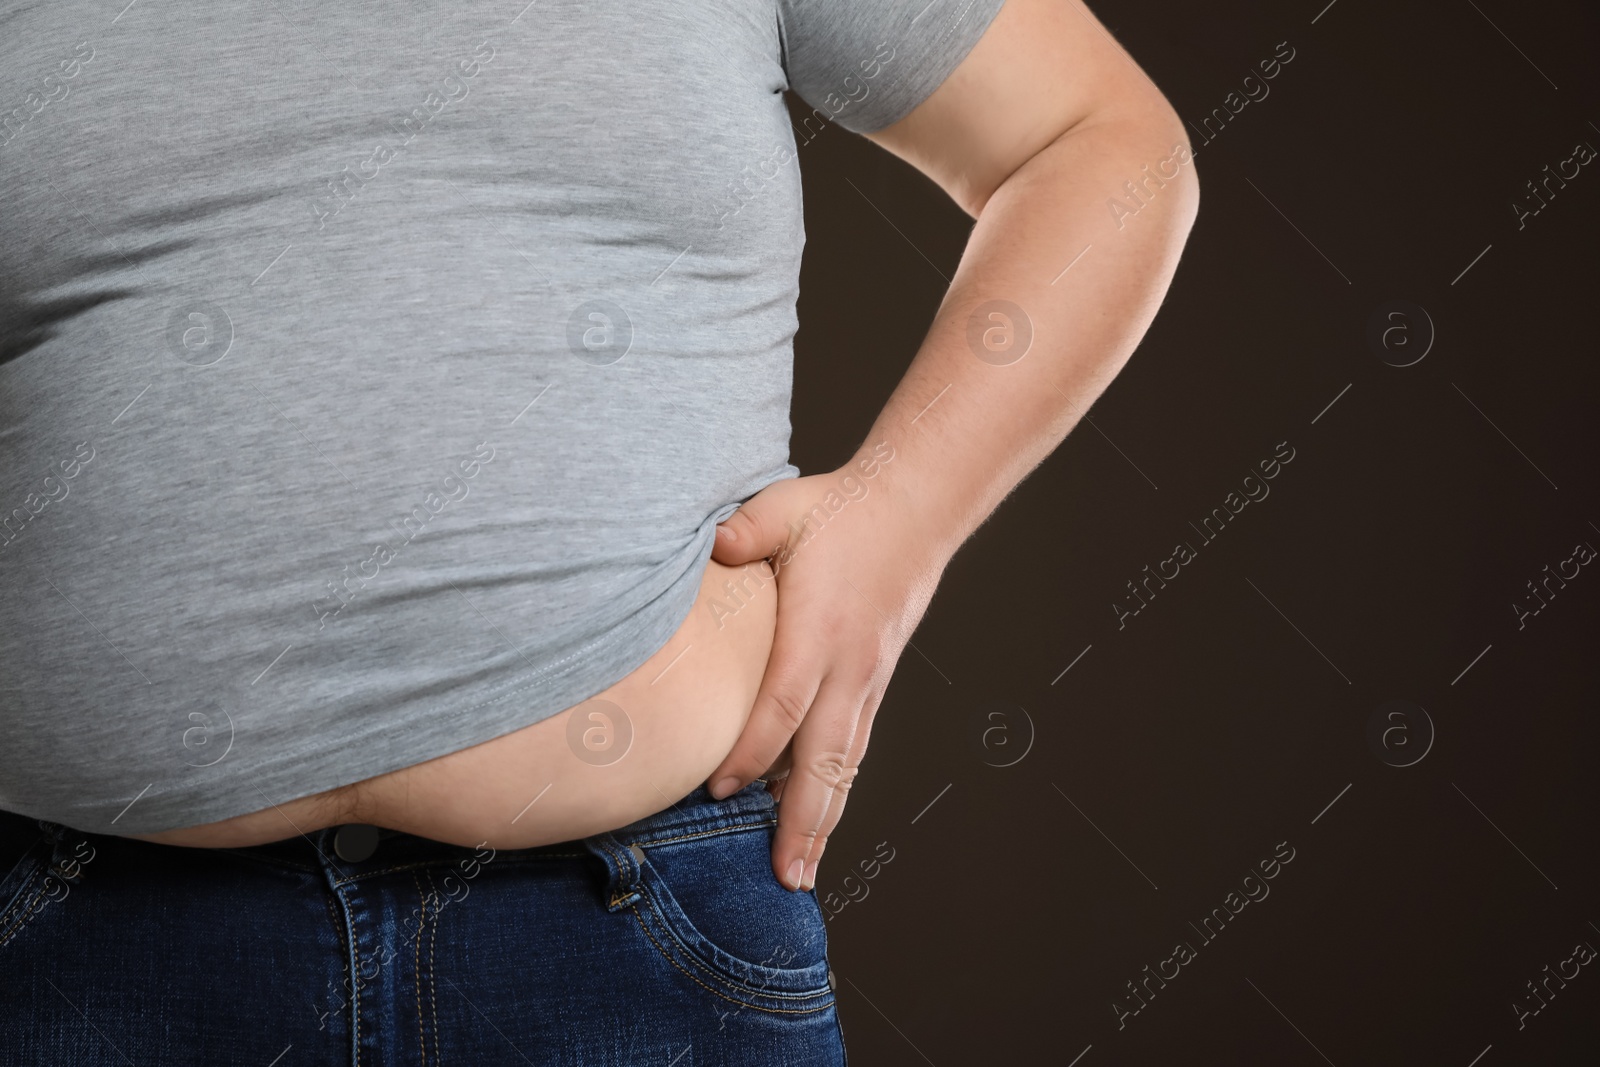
(686, 705)
(1032, 135)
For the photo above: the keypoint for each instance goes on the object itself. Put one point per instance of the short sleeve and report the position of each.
(867, 63)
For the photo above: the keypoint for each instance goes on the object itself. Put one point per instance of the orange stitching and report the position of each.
(433, 988)
(621, 867)
(707, 833)
(643, 890)
(355, 990)
(696, 981)
(690, 954)
(422, 1039)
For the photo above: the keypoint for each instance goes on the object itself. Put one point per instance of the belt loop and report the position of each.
(622, 869)
(68, 854)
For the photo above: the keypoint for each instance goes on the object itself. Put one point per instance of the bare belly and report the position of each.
(685, 708)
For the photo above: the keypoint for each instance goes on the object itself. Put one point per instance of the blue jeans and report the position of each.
(666, 942)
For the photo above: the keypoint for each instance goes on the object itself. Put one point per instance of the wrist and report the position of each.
(911, 520)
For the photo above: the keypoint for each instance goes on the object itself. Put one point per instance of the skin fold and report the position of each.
(1041, 128)
(685, 706)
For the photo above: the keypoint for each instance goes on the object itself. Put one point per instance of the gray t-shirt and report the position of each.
(373, 376)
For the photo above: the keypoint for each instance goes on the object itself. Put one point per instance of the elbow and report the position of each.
(1151, 145)
(1139, 143)
(1175, 137)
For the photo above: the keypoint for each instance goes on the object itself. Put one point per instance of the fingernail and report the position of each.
(811, 875)
(723, 787)
(795, 869)
(725, 534)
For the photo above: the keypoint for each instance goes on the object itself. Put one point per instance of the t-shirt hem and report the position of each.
(553, 691)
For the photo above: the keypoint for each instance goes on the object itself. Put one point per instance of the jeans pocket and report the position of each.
(710, 904)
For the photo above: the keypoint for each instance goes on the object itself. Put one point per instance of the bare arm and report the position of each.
(1034, 135)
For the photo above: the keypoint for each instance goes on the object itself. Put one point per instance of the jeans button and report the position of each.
(354, 842)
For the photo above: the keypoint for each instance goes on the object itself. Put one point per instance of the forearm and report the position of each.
(966, 425)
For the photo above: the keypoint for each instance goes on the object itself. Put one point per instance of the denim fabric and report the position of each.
(666, 942)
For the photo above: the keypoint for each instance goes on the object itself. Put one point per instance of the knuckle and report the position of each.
(833, 770)
(802, 835)
(789, 709)
(863, 667)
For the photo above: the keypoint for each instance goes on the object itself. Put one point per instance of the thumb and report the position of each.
(756, 531)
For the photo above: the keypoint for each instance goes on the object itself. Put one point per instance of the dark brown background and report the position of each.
(1209, 730)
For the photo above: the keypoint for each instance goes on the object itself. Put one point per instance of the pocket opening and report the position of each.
(717, 907)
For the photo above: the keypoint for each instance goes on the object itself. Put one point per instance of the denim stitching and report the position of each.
(27, 912)
(355, 992)
(621, 869)
(416, 970)
(724, 996)
(433, 989)
(644, 842)
(689, 953)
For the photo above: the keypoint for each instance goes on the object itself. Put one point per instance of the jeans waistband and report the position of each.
(699, 812)
(696, 813)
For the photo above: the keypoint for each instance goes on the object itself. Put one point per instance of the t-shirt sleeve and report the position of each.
(866, 64)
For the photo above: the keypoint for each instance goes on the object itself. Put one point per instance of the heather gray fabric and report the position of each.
(373, 376)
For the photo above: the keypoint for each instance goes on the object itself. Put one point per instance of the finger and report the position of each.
(751, 533)
(822, 768)
(808, 879)
(787, 689)
(781, 766)
(830, 822)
